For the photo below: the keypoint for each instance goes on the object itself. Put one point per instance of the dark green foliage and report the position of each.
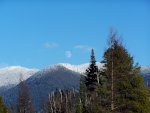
(3, 107)
(139, 94)
(130, 94)
(92, 82)
(92, 73)
(103, 94)
(79, 108)
(82, 96)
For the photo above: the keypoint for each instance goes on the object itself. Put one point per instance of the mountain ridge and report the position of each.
(9, 76)
(42, 82)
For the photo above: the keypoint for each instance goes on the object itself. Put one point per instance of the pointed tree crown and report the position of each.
(92, 73)
(92, 57)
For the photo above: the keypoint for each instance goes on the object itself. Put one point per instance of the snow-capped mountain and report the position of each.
(10, 76)
(75, 68)
(146, 74)
(80, 68)
(145, 70)
(42, 82)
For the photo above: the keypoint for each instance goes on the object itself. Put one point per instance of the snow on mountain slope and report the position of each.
(145, 70)
(11, 75)
(75, 68)
(50, 68)
(80, 68)
(44, 82)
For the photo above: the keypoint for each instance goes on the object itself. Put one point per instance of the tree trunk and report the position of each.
(112, 87)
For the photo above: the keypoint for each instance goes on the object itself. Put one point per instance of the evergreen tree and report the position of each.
(124, 80)
(103, 93)
(79, 108)
(81, 102)
(138, 93)
(92, 74)
(91, 82)
(3, 107)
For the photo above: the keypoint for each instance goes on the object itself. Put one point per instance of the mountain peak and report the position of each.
(11, 75)
(79, 68)
(145, 69)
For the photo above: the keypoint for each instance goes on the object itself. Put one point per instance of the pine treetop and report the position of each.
(92, 73)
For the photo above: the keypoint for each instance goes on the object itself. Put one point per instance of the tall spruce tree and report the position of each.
(128, 91)
(92, 74)
(91, 81)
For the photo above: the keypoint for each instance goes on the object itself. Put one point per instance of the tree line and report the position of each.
(116, 88)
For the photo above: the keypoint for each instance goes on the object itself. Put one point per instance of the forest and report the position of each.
(117, 88)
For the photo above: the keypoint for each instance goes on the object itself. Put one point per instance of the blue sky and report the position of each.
(38, 33)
